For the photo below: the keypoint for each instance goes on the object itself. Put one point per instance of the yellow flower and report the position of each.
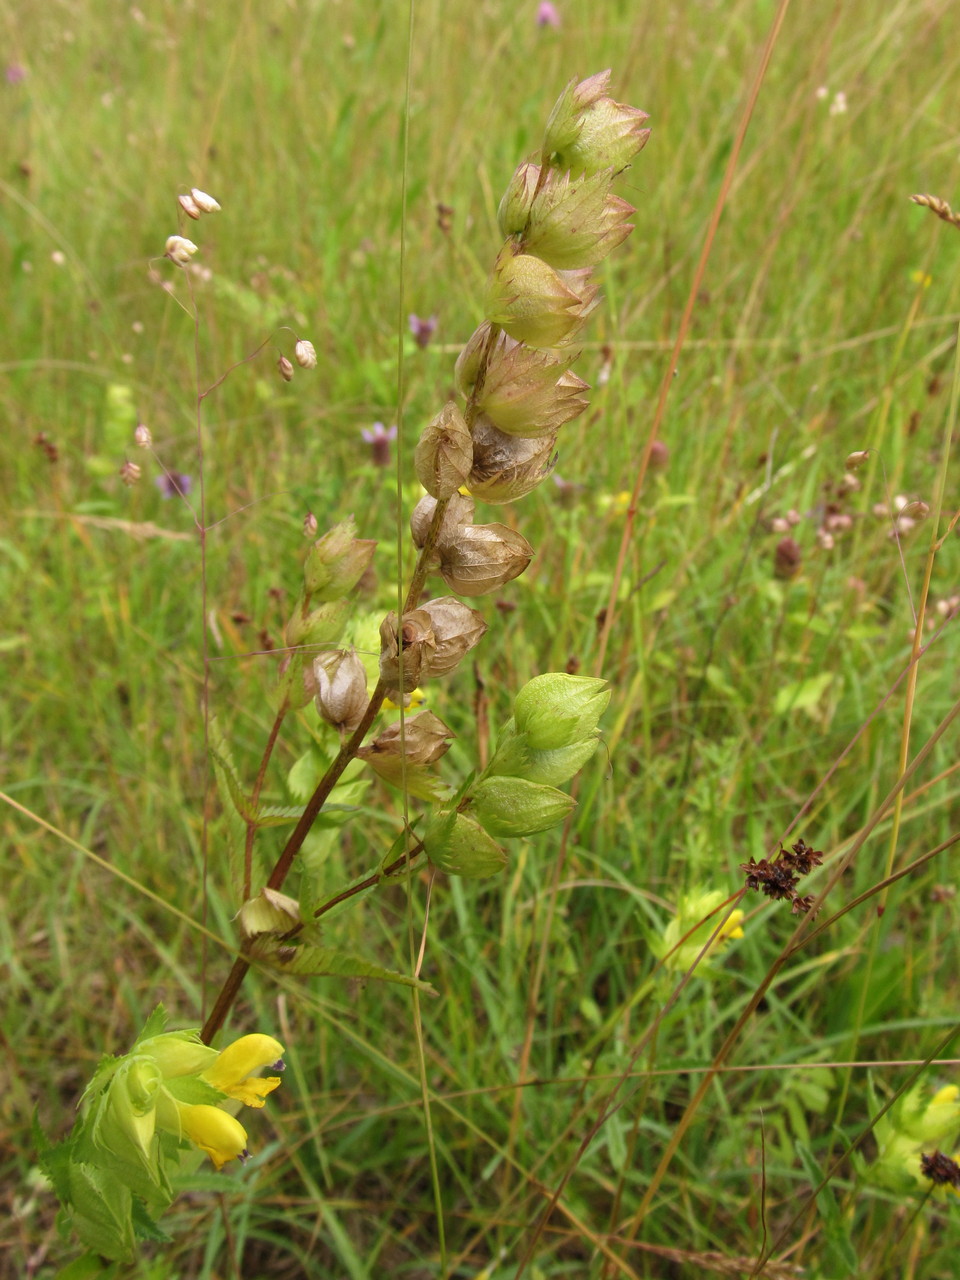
(232, 1072)
(214, 1131)
(696, 919)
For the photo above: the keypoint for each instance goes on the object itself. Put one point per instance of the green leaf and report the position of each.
(88, 1267)
(841, 1255)
(333, 963)
(276, 815)
(227, 776)
(305, 773)
(802, 695)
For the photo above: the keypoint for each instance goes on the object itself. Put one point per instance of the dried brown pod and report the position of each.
(444, 453)
(459, 512)
(483, 557)
(507, 467)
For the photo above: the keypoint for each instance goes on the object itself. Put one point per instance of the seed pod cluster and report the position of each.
(559, 218)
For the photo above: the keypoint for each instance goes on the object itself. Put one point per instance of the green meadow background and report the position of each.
(825, 322)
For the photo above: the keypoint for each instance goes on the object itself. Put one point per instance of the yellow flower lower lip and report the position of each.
(232, 1072)
(214, 1131)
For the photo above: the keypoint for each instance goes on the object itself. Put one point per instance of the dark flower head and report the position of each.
(941, 1170)
(173, 484)
(422, 330)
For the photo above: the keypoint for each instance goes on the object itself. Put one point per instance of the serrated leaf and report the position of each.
(333, 963)
(226, 772)
(276, 815)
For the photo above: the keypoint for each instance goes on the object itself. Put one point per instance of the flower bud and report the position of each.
(296, 683)
(129, 473)
(576, 222)
(856, 460)
(513, 757)
(515, 807)
(588, 131)
(179, 250)
(531, 302)
(285, 369)
(459, 846)
(270, 912)
(787, 559)
(305, 354)
(341, 688)
(507, 467)
(205, 203)
(459, 512)
(310, 525)
(444, 453)
(189, 206)
(914, 511)
(142, 437)
(557, 710)
(323, 624)
(337, 562)
(514, 210)
(483, 557)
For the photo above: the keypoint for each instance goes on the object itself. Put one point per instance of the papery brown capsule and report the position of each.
(129, 473)
(341, 688)
(483, 557)
(459, 512)
(405, 649)
(425, 738)
(506, 467)
(456, 629)
(285, 369)
(444, 453)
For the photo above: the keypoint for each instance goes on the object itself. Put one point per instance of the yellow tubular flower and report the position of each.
(231, 1073)
(214, 1131)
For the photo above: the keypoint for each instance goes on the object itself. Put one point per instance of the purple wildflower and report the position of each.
(173, 484)
(16, 74)
(547, 15)
(422, 330)
(378, 438)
